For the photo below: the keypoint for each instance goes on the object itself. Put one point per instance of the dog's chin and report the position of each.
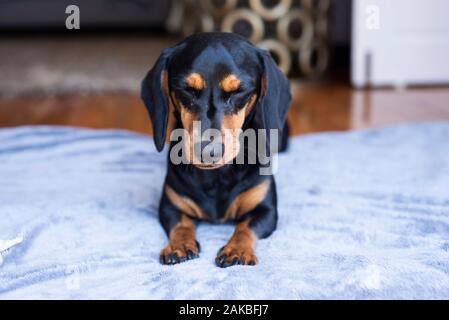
(206, 166)
(214, 165)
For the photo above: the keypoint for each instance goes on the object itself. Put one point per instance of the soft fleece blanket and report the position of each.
(362, 215)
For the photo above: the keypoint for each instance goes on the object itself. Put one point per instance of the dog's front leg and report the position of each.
(181, 230)
(259, 224)
(240, 249)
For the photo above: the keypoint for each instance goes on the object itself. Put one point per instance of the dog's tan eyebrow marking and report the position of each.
(196, 81)
(230, 83)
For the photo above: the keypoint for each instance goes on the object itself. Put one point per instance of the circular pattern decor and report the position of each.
(279, 52)
(321, 26)
(313, 60)
(316, 6)
(295, 32)
(268, 13)
(305, 23)
(246, 16)
(211, 7)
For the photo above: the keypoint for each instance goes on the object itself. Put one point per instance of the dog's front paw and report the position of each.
(179, 252)
(231, 255)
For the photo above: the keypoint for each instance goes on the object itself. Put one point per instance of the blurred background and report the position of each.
(352, 64)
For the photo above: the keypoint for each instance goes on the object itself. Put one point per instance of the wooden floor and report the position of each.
(325, 106)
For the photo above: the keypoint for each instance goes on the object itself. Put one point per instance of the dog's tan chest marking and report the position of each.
(247, 201)
(185, 204)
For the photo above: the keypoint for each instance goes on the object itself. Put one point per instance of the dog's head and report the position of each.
(220, 80)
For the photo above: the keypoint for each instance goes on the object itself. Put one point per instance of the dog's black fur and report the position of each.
(214, 56)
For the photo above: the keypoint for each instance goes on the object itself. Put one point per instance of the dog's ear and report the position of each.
(155, 95)
(274, 97)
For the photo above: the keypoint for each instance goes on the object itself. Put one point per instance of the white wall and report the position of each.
(400, 42)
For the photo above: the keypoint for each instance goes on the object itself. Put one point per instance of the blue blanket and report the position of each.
(362, 215)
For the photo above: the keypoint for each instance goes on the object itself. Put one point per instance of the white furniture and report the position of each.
(400, 42)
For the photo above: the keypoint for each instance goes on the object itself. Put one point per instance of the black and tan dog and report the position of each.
(225, 82)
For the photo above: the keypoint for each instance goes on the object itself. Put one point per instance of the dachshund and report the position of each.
(225, 83)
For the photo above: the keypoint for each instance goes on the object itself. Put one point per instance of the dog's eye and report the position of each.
(228, 95)
(193, 92)
(237, 96)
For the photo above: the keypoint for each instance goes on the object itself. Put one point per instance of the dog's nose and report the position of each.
(209, 151)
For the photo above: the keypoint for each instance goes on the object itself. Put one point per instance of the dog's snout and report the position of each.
(217, 149)
(209, 151)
